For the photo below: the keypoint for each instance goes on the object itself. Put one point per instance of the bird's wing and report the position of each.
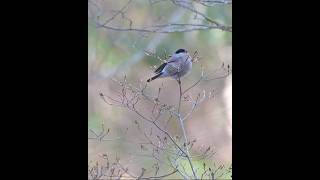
(160, 68)
(172, 69)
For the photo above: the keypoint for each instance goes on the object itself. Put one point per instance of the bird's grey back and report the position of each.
(178, 65)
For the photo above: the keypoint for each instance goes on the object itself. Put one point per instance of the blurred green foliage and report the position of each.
(94, 122)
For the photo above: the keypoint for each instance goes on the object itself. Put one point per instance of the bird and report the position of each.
(178, 65)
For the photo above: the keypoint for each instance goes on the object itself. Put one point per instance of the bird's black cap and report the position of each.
(180, 51)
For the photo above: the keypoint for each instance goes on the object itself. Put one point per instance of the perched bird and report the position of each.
(178, 65)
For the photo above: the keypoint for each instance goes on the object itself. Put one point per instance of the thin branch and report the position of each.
(207, 18)
(162, 176)
(175, 164)
(194, 104)
(193, 85)
(204, 77)
(121, 11)
(140, 177)
(130, 96)
(165, 132)
(211, 3)
(184, 131)
(169, 28)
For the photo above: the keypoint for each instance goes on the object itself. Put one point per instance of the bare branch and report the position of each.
(204, 77)
(121, 11)
(192, 9)
(211, 3)
(164, 28)
(169, 28)
(162, 176)
(184, 131)
(131, 97)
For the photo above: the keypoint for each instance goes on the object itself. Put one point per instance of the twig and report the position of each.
(117, 13)
(184, 131)
(218, 25)
(162, 176)
(169, 28)
(130, 96)
(204, 77)
(211, 3)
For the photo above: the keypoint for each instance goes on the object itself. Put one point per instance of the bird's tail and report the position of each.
(154, 77)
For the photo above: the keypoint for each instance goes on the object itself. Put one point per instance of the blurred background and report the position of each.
(113, 53)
